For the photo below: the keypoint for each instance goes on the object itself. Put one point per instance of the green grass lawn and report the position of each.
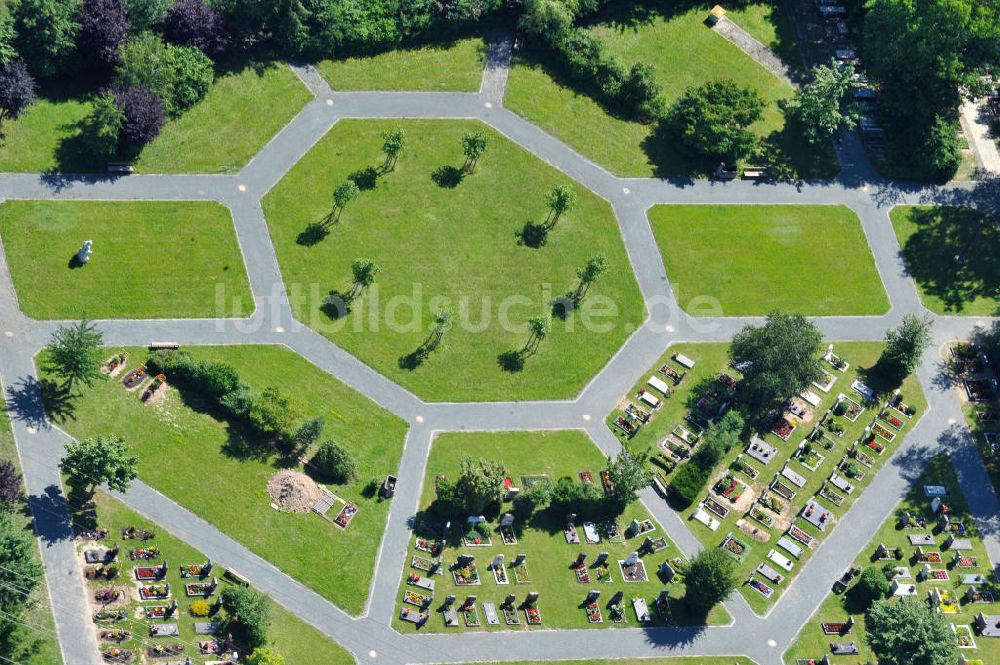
(243, 110)
(452, 66)
(290, 636)
(552, 454)
(220, 472)
(712, 359)
(39, 612)
(691, 660)
(812, 643)
(931, 237)
(151, 259)
(454, 245)
(695, 55)
(809, 259)
(245, 107)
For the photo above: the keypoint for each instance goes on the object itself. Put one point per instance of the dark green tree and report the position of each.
(480, 483)
(714, 119)
(363, 272)
(587, 275)
(871, 586)
(825, 106)
(271, 413)
(74, 352)
(248, 612)
(46, 32)
(630, 473)
(335, 461)
(778, 360)
(710, 579)
(393, 143)
(909, 632)
(102, 460)
(562, 198)
(343, 194)
(904, 346)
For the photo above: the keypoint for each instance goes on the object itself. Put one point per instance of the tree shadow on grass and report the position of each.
(533, 235)
(448, 177)
(946, 255)
(313, 234)
(511, 361)
(366, 179)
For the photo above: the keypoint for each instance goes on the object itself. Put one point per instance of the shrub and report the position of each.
(200, 608)
(249, 612)
(271, 413)
(484, 530)
(687, 484)
(144, 116)
(335, 461)
(570, 496)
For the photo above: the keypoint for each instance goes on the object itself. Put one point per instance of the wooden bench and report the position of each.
(169, 346)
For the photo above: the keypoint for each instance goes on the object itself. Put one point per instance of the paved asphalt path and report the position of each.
(369, 637)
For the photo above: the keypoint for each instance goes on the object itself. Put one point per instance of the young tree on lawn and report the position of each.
(474, 145)
(904, 345)
(308, 433)
(871, 586)
(335, 461)
(539, 327)
(393, 143)
(363, 272)
(46, 33)
(825, 106)
(74, 352)
(909, 632)
(10, 484)
(778, 359)
(442, 323)
(629, 473)
(194, 23)
(587, 275)
(714, 119)
(709, 580)
(104, 26)
(271, 413)
(264, 656)
(102, 460)
(343, 194)
(17, 89)
(249, 612)
(102, 127)
(480, 483)
(562, 198)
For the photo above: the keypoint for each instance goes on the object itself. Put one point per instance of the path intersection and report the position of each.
(370, 636)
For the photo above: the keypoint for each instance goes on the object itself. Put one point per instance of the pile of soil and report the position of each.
(293, 491)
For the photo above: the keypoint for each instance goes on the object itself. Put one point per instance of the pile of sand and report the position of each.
(293, 491)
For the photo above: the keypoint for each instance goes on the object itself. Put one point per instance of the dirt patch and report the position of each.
(757, 533)
(293, 491)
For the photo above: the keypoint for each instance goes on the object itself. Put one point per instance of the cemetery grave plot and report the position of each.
(178, 617)
(623, 557)
(920, 563)
(825, 463)
(335, 559)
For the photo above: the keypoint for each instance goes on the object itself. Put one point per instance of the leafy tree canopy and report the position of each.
(909, 632)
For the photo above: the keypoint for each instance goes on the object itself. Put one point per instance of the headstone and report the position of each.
(507, 520)
(634, 527)
(935, 504)
(570, 518)
(449, 601)
(617, 598)
(632, 559)
(509, 600)
(580, 558)
(850, 620)
(497, 562)
(647, 544)
(667, 571)
(475, 519)
(83, 256)
(465, 560)
(512, 493)
(469, 601)
(519, 560)
(602, 559)
(664, 597)
(592, 596)
(904, 521)
(829, 352)
(531, 599)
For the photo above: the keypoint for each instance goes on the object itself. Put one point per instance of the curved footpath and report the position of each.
(370, 637)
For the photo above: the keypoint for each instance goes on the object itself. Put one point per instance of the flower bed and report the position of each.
(603, 573)
(466, 575)
(346, 514)
(202, 589)
(606, 483)
(415, 598)
(471, 616)
(533, 616)
(878, 430)
(684, 434)
(862, 458)
(966, 562)
(109, 616)
(742, 467)
(154, 592)
(963, 637)
(826, 382)
(432, 547)
(196, 569)
(594, 613)
(798, 534)
(150, 573)
(760, 587)
(144, 553)
(831, 496)
(735, 548)
(772, 503)
(425, 564)
(782, 428)
(716, 508)
(848, 408)
(521, 574)
(134, 378)
(762, 517)
(730, 488)
(892, 420)
(782, 490)
(115, 635)
(582, 574)
(116, 655)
